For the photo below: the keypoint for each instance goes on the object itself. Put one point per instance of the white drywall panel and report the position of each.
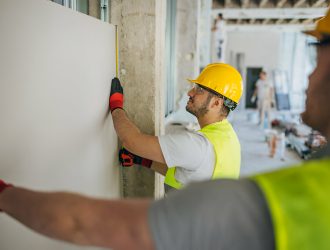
(55, 71)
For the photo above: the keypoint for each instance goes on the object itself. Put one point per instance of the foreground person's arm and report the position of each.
(120, 224)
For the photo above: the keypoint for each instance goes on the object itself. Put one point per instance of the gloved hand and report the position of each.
(3, 186)
(116, 99)
(128, 159)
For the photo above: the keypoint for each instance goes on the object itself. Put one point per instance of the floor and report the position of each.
(255, 153)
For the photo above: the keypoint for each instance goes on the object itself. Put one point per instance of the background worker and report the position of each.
(289, 208)
(264, 93)
(212, 152)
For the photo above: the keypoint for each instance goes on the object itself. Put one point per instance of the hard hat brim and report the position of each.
(192, 80)
(318, 35)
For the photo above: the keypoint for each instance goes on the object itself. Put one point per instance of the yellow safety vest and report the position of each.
(227, 153)
(299, 202)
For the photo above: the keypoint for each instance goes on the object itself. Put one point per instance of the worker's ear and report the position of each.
(217, 102)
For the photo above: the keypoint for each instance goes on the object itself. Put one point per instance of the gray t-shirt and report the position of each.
(221, 214)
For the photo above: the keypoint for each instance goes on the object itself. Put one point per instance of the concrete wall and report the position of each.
(94, 8)
(187, 50)
(204, 32)
(136, 22)
(193, 25)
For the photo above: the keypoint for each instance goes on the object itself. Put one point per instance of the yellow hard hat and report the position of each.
(322, 27)
(223, 79)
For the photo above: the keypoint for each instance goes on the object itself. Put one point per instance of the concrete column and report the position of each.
(140, 60)
(94, 8)
(204, 32)
(187, 50)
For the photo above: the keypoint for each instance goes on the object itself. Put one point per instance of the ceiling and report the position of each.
(270, 12)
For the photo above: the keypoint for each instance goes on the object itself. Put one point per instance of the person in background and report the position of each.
(264, 94)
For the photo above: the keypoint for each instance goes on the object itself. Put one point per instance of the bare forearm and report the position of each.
(45, 213)
(159, 168)
(79, 219)
(125, 128)
(133, 140)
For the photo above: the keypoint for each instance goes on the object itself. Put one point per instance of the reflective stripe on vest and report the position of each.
(299, 202)
(227, 153)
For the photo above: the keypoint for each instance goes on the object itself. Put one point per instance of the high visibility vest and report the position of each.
(227, 153)
(299, 202)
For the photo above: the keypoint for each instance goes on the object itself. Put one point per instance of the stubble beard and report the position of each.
(199, 111)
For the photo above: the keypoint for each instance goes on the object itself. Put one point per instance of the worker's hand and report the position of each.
(116, 99)
(3, 186)
(128, 159)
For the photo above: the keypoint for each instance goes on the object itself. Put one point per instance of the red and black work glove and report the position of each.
(116, 99)
(128, 159)
(3, 186)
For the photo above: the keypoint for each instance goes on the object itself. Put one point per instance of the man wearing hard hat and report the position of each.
(287, 209)
(212, 152)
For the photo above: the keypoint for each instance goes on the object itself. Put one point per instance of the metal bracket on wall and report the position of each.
(104, 10)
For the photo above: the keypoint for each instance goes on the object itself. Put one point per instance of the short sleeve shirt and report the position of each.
(191, 152)
(219, 214)
(264, 89)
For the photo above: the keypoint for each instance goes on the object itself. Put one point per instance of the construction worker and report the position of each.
(285, 209)
(264, 93)
(212, 152)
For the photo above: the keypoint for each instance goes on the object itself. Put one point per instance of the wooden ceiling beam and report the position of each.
(281, 3)
(300, 3)
(294, 21)
(263, 3)
(266, 21)
(319, 3)
(280, 21)
(229, 4)
(273, 13)
(245, 3)
(307, 21)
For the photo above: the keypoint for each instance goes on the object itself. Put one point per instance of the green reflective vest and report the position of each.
(227, 153)
(299, 202)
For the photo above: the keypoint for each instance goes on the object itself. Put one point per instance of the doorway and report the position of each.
(252, 75)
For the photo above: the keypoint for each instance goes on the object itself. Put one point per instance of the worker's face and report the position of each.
(199, 100)
(317, 113)
(262, 76)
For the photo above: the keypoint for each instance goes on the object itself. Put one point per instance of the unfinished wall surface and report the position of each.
(55, 72)
(187, 50)
(136, 22)
(94, 8)
(260, 49)
(204, 32)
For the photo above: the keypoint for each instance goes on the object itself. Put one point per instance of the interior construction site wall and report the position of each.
(261, 48)
(55, 71)
(141, 39)
(187, 60)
